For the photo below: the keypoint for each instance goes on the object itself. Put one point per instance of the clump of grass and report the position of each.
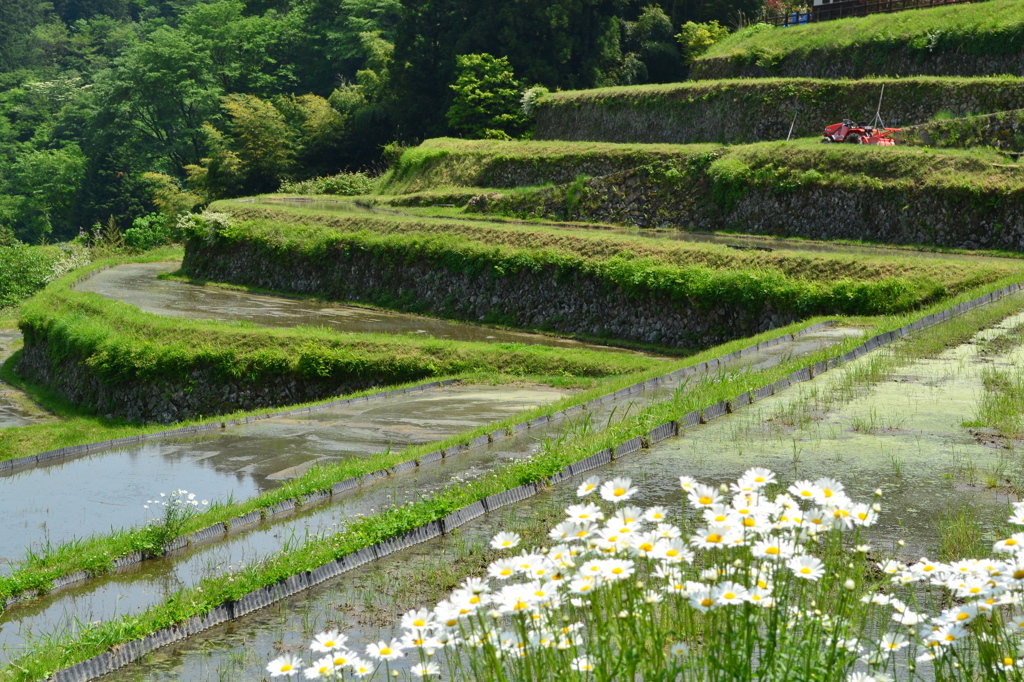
(960, 534)
(1002, 403)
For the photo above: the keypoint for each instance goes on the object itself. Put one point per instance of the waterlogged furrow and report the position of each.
(138, 285)
(76, 498)
(130, 592)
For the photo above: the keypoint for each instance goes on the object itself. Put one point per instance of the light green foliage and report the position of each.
(150, 231)
(42, 186)
(696, 39)
(342, 184)
(24, 269)
(487, 95)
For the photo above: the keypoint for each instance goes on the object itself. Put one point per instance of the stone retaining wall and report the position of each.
(860, 61)
(567, 301)
(814, 211)
(166, 401)
(746, 111)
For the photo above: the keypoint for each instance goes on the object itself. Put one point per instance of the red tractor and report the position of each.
(854, 133)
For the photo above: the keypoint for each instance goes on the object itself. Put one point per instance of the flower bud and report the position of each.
(849, 585)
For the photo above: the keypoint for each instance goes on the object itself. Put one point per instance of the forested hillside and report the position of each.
(119, 108)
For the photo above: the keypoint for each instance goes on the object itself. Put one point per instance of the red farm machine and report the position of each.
(855, 133)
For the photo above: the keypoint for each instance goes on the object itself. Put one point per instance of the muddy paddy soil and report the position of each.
(903, 435)
(138, 284)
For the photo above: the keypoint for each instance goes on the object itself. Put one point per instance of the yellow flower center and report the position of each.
(329, 643)
(705, 500)
(729, 595)
(386, 651)
(1018, 574)
(617, 570)
(646, 547)
(286, 667)
(1007, 661)
(805, 570)
(962, 616)
(1011, 542)
(759, 479)
(619, 492)
(828, 493)
(706, 602)
(520, 605)
(749, 523)
(506, 571)
(772, 550)
(807, 493)
(672, 553)
(950, 638)
(714, 537)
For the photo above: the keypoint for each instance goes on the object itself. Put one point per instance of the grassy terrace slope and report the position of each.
(959, 40)
(119, 360)
(898, 195)
(741, 110)
(592, 284)
(448, 162)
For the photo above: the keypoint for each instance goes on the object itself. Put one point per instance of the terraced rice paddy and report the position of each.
(139, 284)
(111, 487)
(901, 434)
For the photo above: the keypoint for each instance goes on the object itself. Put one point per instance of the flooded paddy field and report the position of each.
(139, 285)
(901, 431)
(53, 503)
(15, 410)
(140, 586)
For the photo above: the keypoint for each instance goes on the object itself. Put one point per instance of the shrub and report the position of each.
(342, 184)
(150, 231)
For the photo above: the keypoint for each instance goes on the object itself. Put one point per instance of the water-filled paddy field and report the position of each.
(900, 431)
(256, 447)
(139, 285)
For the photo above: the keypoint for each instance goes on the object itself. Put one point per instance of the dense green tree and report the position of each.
(162, 89)
(651, 40)
(487, 96)
(18, 20)
(41, 186)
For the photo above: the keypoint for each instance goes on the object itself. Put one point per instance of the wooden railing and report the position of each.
(856, 8)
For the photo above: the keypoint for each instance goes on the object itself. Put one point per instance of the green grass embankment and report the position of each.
(705, 275)
(46, 656)
(746, 110)
(968, 39)
(101, 353)
(449, 162)
(949, 198)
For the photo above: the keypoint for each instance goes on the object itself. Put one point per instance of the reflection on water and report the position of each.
(93, 494)
(11, 414)
(138, 284)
